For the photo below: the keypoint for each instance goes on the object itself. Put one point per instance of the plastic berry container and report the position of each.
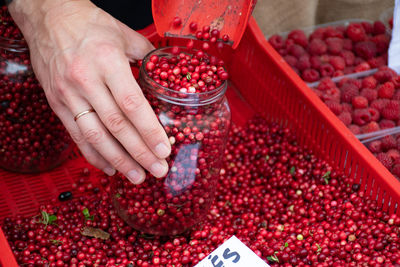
(366, 103)
(32, 139)
(385, 146)
(387, 18)
(327, 51)
(197, 125)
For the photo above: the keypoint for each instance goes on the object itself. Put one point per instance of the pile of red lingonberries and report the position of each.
(335, 50)
(288, 206)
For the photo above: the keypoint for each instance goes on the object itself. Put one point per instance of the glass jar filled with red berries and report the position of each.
(196, 117)
(32, 139)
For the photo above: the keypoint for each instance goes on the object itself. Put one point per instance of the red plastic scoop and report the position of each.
(228, 16)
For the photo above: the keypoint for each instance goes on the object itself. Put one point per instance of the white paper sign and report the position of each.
(232, 253)
(394, 48)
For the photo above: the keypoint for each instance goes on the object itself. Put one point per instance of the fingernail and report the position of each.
(134, 177)
(109, 171)
(162, 150)
(158, 169)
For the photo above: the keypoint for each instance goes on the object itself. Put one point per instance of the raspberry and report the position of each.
(348, 70)
(379, 28)
(368, 28)
(377, 62)
(379, 104)
(361, 116)
(341, 29)
(355, 82)
(354, 129)
(393, 154)
(386, 90)
(289, 42)
(347, 107)
(334, 106)
(382, 42)
(318, 92)
(345, 117)
(310, 75)
(325, 58)
(335, 45)
(296, 50)
(337, 62)
(326, 70)
(374, 114)
(396, 95)
(388, 142)
(359, 102)
(325, 84)
(338, 73)
(303, 63)
(315, 62)
(373, 126)
(386, 124)
(317, 34)
(392, 110)
(369, 82)
(276, 41)
(369, 94)
(291, 60)
(347, 44)
(348, 92)
(299, 37)
(331, 94)
(384, 74)
(348, 57)
(317, 47)
(362, 67)
(282, 51)
(366, 50)
(396, 81)
(385, 160)
(396, 170)
(358, 60)
(375, 146)
(356, 32)
(333, 32)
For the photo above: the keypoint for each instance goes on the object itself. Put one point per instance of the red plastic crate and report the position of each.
(261, 82)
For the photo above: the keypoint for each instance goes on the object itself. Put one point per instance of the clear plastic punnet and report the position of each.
(327, 50)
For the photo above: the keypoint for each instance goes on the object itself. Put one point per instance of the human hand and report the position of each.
(81, 56)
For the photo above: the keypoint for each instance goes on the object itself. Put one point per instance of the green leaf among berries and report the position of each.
(87, 215)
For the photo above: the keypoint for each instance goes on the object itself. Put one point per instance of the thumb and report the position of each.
(137, 46)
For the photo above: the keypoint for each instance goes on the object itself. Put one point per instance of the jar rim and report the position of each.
(169, 90)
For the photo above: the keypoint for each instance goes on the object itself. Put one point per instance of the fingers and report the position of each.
(95, 133)
(132, 102)
(123, 130)
(137, 46)
(91, 155)
(100, 128)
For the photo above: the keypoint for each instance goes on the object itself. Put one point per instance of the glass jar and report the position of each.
(197, 125)
(32, 138)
